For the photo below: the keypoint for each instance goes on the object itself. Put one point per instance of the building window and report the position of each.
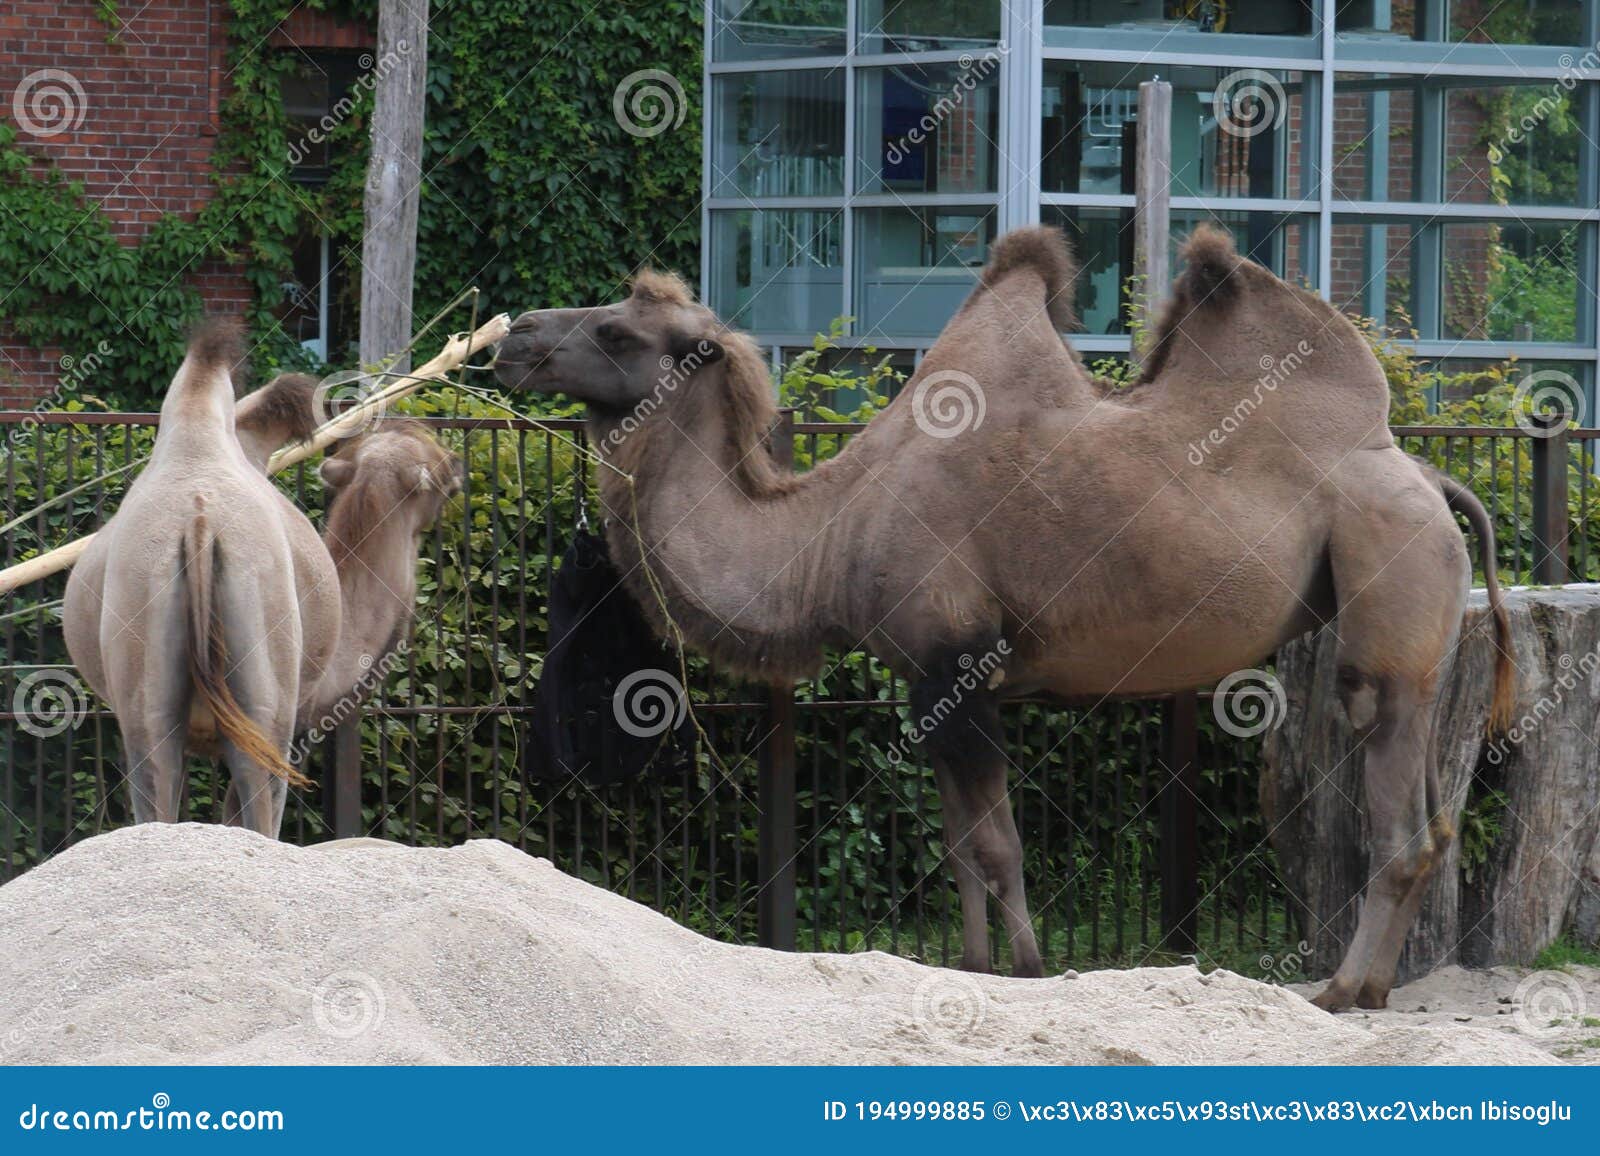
(774, 29)
(1427, 164)
(1088, 105)
(316, 308)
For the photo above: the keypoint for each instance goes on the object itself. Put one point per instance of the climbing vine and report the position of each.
(532, 188)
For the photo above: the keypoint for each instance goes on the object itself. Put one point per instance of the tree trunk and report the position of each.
(394, 181)
(1527, 864)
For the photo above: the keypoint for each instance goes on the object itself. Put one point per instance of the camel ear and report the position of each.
(693, 352)
(336, 472)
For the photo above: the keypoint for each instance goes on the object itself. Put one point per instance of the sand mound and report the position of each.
(204, 944)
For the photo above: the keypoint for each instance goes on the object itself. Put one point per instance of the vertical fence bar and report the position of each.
(1180, 846)
(775, 866)
(341, 794)
(1550, 458)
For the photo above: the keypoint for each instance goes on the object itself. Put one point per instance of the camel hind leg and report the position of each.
(1400, 575)
(155, 773)
(1403, 851)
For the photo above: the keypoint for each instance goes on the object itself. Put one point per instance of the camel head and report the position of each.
(394, 479)
(614, 357)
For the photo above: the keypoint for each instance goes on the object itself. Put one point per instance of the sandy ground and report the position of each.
(1558, 1011)
(199, 944)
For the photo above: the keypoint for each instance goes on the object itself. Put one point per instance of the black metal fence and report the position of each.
(792, 825)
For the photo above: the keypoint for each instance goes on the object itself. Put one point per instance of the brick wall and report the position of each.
(141, 140)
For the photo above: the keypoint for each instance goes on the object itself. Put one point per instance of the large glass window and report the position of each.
(1246, 17)
(779, 134)
(928, 128)
(1233, 135)
(1465, 280)
(1372, 272)
(1508, 22)
(768, 29)
(1510, 281)
(917, 265)
(778, 270)
(1419, 139)
(927, 25)
(871, 182)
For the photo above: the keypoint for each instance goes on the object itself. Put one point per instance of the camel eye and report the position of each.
(617, 338)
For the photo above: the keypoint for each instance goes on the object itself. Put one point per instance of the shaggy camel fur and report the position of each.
(210, 615)
(1059, 539)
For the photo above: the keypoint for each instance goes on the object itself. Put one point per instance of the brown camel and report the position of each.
(1004, 506)
(208, 613)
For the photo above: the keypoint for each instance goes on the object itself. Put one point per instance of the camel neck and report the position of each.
(717, 542)
(377, 590)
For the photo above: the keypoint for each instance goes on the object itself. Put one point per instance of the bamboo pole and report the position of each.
(455, 354)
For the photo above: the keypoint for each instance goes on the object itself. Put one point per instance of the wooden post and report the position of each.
(1550, 457)
(775, 795)
(1153, 200)
(1180, 845)
(394, 180)
(1180, 871)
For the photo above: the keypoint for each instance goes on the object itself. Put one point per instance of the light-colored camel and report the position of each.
(1005, 513)
(208, 613)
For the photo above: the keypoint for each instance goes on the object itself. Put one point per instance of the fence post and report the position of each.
(1180, 858)
(1550, 458)
(341, 792)
(776, 846)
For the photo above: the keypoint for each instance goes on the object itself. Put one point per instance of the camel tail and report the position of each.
(1461, 500)
(208, 659)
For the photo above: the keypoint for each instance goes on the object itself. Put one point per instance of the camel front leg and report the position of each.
(979, 828)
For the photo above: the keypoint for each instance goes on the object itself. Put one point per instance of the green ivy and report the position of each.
(532, 188)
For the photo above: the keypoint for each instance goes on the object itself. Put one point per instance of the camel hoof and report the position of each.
(1333, 999)
(1027, 969)
(1372, 999)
